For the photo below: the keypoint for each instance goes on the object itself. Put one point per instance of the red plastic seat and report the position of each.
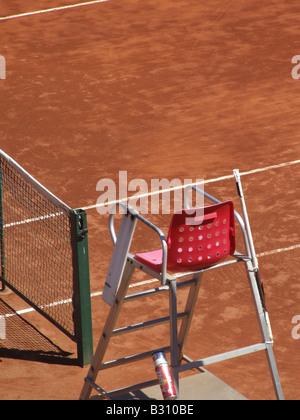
(196, 242)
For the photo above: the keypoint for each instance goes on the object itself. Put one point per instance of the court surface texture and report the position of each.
(183, 89)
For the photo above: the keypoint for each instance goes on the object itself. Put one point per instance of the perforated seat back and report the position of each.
(207, 241)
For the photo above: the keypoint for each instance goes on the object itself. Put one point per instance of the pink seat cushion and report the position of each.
(152, 259)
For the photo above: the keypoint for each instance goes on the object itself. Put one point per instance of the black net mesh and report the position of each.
(36, 250)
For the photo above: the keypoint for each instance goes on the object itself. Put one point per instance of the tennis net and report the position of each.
(44, 253)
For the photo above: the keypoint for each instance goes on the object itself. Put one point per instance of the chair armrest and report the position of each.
(135, 213)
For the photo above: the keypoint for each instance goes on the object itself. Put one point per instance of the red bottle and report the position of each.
(164, 376)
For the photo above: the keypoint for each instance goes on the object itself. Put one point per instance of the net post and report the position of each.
(82, 294)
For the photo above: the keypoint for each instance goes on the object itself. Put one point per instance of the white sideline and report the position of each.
(53, 9)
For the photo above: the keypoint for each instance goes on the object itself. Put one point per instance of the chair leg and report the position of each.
(274, 373)
(265, 328)
(174, 334)
(189, 309)
(107, 333)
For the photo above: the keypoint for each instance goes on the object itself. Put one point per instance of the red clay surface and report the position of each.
(162, 89)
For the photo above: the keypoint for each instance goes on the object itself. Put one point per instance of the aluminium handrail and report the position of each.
(160, 233)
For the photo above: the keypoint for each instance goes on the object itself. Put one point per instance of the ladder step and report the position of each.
(146, 324)
(223, 356)
(102, 392)
(157, 290)
(133, 358)
(120, 391)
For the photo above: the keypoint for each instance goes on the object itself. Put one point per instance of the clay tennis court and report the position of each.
(188, 89)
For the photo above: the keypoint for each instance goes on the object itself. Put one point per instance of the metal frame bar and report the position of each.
(192, 364)
(134, 213)
(107, 331)
(118, 259)
(190, 309)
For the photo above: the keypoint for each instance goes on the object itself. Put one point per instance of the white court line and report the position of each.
(36, 219)
(141, 283)
(53, 9)
(277, 251)
(221, 178)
